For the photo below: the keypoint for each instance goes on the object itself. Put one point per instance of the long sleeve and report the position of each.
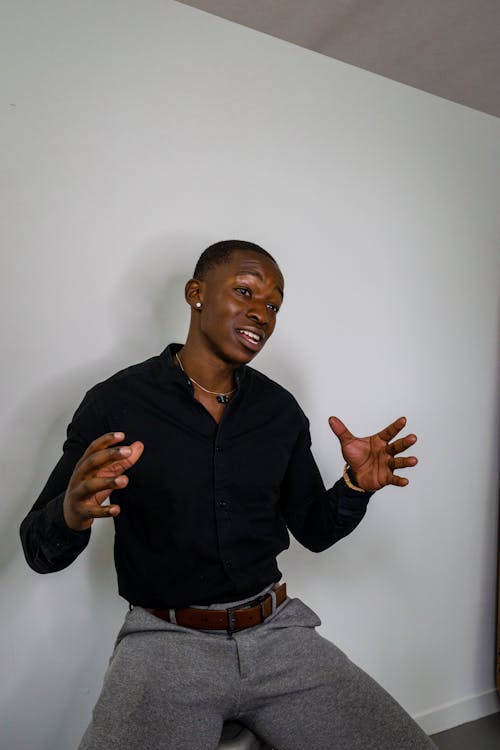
(317, 517)
(48, 543)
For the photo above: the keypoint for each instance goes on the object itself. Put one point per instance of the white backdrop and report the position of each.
(134, 135)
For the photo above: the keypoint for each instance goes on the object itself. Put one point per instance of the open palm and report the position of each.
(373, 459)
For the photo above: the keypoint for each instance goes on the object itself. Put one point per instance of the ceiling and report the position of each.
(450, 48)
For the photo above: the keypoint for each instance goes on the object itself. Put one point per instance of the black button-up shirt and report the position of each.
(208, 505)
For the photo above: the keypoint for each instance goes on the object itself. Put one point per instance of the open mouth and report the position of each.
(251, 338)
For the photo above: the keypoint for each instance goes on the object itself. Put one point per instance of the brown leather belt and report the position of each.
(232, 619)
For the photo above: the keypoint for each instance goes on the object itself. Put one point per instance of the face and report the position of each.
(240, 300)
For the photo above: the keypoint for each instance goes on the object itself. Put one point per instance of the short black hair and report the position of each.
(221, 252)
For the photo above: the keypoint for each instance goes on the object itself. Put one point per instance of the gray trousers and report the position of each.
(171, 688)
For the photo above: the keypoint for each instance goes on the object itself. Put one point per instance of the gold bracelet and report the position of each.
(348, 481)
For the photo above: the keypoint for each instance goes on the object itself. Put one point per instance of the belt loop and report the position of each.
(172, 617)
(273, 597)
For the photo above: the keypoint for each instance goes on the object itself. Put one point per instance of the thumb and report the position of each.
(340, 430)
(137, 449)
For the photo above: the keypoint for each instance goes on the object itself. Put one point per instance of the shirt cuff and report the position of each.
(58, 534)
(354, 499)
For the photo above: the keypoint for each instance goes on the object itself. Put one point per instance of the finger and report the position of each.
(84, 512)
(341, 431)
(90, 488)
(103, 441)
(113, 470)
(102, 511)
(399, 481)
(392, 430)
(403, 462)
(398, 446)
(100, 498)
(126, 462)
(93, 510)
(136, 449)
(103, 459)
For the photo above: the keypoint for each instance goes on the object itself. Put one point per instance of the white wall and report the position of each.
(138, 133)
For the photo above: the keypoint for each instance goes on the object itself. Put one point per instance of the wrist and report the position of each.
(350, 479)
(75, 522)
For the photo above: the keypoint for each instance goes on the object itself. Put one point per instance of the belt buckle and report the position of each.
(231, 619)
(260, 601)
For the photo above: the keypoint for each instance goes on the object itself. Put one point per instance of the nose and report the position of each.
(259, 313)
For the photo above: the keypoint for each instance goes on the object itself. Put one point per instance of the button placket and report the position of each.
(222, 503)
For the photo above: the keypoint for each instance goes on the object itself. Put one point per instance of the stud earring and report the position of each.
(198, 305)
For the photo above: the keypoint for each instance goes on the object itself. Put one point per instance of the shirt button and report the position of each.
(228, 563)
(218, 449)
(223, 503)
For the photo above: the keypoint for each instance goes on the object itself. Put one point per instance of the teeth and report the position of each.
(250, 334)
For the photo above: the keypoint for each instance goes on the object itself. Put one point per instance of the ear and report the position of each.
(193, 294)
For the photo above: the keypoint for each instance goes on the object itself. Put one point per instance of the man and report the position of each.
(215, 469)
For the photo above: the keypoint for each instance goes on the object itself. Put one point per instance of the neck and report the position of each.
(207, 368)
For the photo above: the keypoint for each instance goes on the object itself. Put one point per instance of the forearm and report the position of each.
(318, 517)
(329, 516)
(49, 544)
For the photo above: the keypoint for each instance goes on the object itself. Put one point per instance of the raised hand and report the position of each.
(374, 459)
(99, 471)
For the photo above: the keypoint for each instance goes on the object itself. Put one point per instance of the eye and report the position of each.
(243, 291)
(272, 307)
